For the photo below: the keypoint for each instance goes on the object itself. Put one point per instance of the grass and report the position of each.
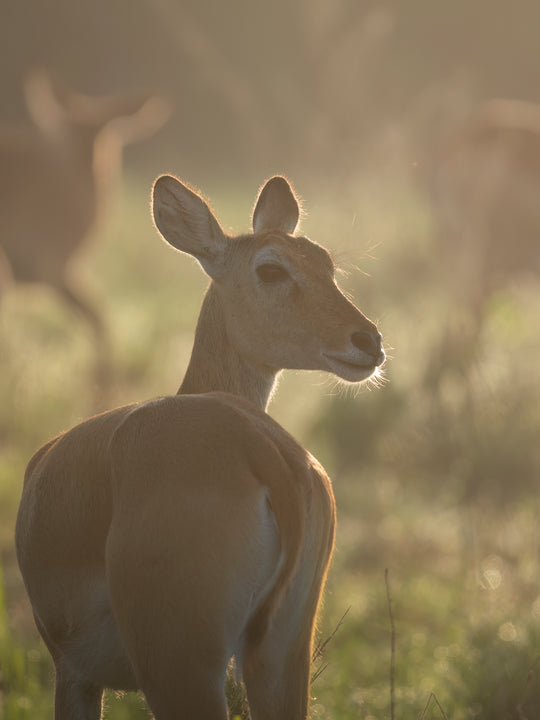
(435, 483)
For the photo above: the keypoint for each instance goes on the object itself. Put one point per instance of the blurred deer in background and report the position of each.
(55, 178)
(160, 539)
(485, 187)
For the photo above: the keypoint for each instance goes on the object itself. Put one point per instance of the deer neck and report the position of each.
(215, 365)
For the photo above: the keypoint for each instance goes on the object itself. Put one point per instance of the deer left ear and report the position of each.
(186, 222)
(276, 207)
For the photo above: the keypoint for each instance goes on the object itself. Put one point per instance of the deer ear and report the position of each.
(276, 207)
(140, 116)
(44, 105)
(133, 116)
(186, 222)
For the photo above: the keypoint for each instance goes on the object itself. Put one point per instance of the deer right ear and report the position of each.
(186, 222)
(276, 207)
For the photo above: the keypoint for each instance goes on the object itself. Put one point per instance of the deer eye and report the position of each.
(270, 273)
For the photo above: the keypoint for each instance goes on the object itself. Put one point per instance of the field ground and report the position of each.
(436, 481)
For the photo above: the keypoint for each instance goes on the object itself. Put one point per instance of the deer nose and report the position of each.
(369, 343)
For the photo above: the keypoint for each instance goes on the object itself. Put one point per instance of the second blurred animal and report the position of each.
(484, 186)
(55, 176)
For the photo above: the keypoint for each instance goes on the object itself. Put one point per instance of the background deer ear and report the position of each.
(276, 207)
(140, 115)
(133, 116)
(186, 222)
(43, 102)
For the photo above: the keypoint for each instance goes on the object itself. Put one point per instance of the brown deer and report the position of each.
(160, 539)
(55, 177)
(484, 187)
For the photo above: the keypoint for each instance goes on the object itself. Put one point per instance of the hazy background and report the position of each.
(436, 473)
(303, 86)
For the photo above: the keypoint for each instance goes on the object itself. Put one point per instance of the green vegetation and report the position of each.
(435, 481)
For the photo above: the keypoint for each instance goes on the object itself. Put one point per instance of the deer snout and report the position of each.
(360, 358)
(370, 343)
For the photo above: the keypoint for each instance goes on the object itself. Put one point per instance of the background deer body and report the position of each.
(55, 178)
(485, 186)
(50, 203)
(159, 539)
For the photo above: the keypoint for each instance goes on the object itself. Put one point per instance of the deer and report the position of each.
(56, 176)
(484, 183)
(162, 539)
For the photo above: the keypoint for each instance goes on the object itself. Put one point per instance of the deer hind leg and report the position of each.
(182, 611)
(277, 673)
(182, 606)
(178, 643)
(75, 699)
(278, 679)
(187, 691)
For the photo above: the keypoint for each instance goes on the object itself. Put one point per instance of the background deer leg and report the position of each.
(102, 352)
